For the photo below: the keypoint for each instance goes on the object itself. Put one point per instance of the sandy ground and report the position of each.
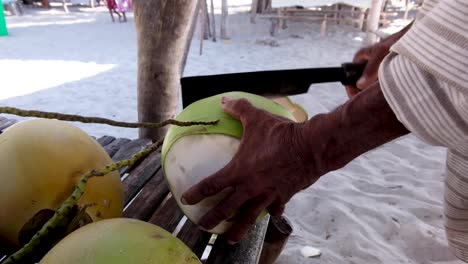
(384, 207)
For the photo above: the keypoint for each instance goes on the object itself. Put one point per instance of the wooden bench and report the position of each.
(147, 198)
(339, 13)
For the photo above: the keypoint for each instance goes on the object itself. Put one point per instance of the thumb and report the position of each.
(237, 108)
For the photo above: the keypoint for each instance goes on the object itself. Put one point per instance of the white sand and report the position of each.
(385, 207)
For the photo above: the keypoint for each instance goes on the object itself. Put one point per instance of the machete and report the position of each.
(267, 83)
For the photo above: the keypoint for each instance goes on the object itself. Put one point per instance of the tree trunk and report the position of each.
(373, 21)
(202, 25)
(253, 11)
(164, 31)
(263, 6)
(213, 21)
(207, 21)
(224, 16)
(277, 235)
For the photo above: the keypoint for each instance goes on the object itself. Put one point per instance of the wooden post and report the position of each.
(207, 19)
(336, 12)
(65, 8)
(263, 6)
(407, 9)
(253, 11)
(213, 20)
(202, 24)
(373, 21)
(224, 16)
(164, 30)
(362, 15)
(266, 6)
(278, 232)
(323, 27)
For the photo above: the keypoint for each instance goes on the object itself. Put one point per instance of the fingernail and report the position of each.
(225, 99)
(231, 242)
(183, 201)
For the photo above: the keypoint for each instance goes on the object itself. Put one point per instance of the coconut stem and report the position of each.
(83, 119)
(72, 200)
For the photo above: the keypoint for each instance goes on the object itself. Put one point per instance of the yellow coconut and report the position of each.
(190, 154)
(120, 241)
(40, 162)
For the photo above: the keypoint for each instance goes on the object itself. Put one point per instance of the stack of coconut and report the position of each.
(42, 161)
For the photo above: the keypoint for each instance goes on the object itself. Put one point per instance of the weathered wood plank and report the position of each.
(128, 150)
(277, 235)
(149, 199)
(168, 215)
(113, 147)
(247, 251)
(194, 237)
(105, 140)
(141, 175)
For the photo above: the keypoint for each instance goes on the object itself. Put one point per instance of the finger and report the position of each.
(362, 55)
(247, 217)
(223, 210)
(208, 187)
(238, 108)
(369, 75)
(276, 209)
(351, 90)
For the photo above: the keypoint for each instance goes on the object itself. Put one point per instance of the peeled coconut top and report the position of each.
(41, 161)
(120, 241)
(190, 154)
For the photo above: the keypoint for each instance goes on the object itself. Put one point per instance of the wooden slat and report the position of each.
(141, 175)
(194, 237)
(128, 150)
(247, 251)
(113, 147)
(149, 199)
(168, 215)
(105, 140)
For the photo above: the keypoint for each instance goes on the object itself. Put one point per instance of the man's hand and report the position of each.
(374, 55)
(270, 166)
(277, 157)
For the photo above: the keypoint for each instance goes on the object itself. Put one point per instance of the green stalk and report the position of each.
(72, 200)
(84, 119)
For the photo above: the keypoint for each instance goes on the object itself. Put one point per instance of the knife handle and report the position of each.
(353, 71)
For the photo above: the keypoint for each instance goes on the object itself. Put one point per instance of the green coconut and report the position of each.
(190, 154)
(120, 241)
(41, 161)
(300, 115)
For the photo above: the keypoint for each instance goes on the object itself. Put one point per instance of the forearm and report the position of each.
(361, 124)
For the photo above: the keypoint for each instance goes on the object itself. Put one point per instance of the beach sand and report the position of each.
(384, 207)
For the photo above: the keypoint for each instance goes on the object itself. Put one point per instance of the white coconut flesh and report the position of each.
(193, 158)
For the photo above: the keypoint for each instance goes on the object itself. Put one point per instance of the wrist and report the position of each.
(361, 124)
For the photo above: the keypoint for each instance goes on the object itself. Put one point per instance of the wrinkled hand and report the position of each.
(269, 167)
(374, 55)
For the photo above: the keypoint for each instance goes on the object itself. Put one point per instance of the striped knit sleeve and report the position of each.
(437, 112)
(429, 107)
(438, 41)
(425, 81)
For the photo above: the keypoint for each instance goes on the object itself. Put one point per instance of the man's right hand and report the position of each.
(374, 55)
